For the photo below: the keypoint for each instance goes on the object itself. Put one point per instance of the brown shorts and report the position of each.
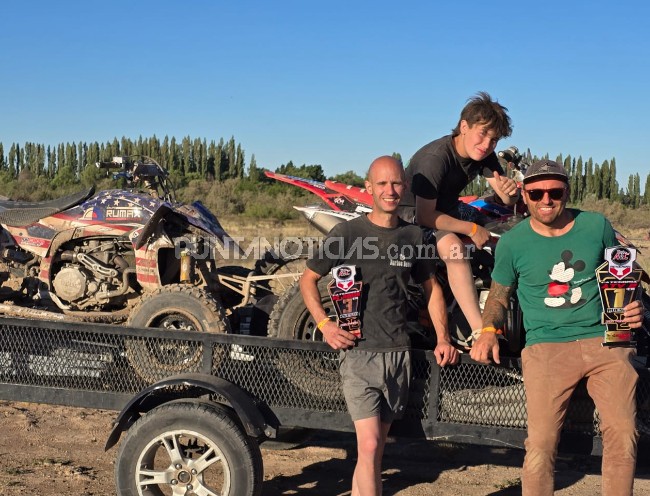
(375, 384)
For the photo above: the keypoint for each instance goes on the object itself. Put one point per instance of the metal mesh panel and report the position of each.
(302, 378)
(65, 358)
(480, 395)
(43, 357)
(293, 378)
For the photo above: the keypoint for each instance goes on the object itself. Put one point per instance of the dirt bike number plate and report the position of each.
(618, 281)
(345, 293)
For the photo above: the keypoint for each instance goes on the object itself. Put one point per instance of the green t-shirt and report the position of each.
(555, 277)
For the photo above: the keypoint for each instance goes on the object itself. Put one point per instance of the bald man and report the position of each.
(376, 368)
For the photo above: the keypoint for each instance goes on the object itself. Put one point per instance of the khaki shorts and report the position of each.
(375, 384)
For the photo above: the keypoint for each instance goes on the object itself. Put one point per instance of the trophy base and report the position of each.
(621, 344)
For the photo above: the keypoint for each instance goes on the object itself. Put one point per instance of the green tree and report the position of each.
(636, 191)
(239, 162)
(314, 172)
(253, 171)
(351, 178)
(589, 178)
(613, 183)
(605, 181)
(186, 154)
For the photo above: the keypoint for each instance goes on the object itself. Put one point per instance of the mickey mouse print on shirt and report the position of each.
(561, 292)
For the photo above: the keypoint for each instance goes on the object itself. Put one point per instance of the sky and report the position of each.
(334, 83)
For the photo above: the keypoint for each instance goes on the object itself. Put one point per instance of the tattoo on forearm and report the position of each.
(496, 306)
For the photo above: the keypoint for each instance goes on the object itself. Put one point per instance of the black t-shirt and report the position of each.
(385, 259)
(437, 172)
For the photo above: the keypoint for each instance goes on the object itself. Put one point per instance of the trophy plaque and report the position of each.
(345, 293)
(618, 281)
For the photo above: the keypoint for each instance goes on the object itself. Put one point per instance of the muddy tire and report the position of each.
(174, 307)
(193, 447)
(290, 319)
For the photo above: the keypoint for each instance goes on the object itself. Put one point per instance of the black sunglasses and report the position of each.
(537, 194)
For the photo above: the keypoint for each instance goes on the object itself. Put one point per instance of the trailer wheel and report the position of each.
(188, 448)
(174, 307)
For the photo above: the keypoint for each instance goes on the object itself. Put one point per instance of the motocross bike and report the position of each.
(291, 320)
(131, 256)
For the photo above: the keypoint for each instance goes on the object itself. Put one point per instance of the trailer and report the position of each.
(194, 408)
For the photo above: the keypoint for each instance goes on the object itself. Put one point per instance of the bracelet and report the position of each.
(322, 323)
(492, 330)
(474, 229)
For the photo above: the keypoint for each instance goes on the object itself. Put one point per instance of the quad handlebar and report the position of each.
(144, 171)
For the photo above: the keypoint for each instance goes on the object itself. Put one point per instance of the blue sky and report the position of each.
(332, 83)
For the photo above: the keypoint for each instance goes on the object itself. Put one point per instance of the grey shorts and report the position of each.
(375, 384)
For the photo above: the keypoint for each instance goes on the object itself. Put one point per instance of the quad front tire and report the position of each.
(176, 307)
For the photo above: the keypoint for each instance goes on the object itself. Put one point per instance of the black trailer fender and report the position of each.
(186, 386)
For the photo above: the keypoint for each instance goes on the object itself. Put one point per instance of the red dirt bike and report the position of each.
(291, 320)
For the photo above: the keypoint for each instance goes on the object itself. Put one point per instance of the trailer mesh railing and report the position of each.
(78, 359)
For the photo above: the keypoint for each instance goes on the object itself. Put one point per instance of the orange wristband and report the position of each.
(322, 323)
(492, 329)
(474, 229)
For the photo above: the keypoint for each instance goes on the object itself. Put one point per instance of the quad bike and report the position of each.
(131, 256)
(291, 320)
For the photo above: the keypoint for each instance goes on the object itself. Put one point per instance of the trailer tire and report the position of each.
(185, 444)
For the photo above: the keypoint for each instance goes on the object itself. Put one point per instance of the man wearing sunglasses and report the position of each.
(551, 260)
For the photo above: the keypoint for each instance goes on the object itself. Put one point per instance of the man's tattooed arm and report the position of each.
(496, 306)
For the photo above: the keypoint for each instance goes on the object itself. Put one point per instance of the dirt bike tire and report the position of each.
(290, 319)
(161, 452)
(176, 307)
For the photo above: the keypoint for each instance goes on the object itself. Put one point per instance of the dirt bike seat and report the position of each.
(21, 213)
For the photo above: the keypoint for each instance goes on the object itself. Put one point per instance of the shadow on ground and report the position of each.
(408, 463)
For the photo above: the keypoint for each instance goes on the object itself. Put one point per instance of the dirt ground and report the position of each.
(52, 450)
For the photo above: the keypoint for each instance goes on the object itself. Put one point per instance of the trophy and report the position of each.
(618, 280)
(345, 293)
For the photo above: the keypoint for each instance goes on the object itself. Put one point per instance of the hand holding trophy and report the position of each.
(619, 282)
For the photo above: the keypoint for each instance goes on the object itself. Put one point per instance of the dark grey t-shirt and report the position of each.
(385, 259)
(437, 172)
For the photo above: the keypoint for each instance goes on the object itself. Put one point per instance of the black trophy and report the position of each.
(345, 293)
(619, 281)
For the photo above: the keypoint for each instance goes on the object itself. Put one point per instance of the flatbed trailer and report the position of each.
(194, 407)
